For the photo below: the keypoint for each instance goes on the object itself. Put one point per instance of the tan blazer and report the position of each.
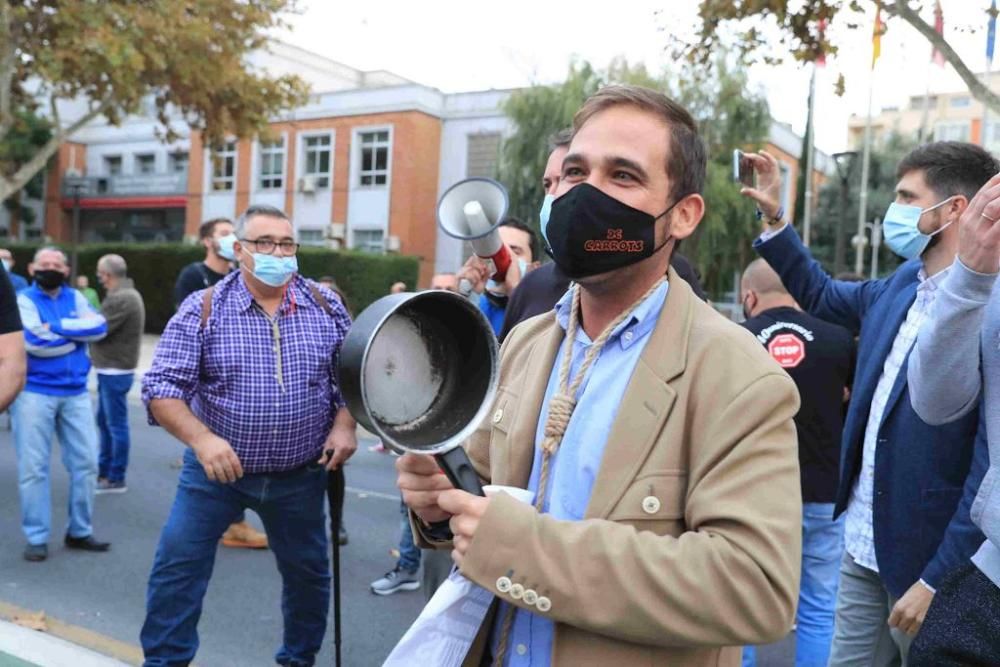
(692, 539)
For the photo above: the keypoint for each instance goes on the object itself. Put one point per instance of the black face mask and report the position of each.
(591, 233)
(48, 279)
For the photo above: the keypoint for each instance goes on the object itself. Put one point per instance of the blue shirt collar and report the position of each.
(637, 325)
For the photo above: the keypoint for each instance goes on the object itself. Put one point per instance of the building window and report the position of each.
(272, 164)
(224, 168)
(178, 162)
(374, 158)
(311, 237)
(483, 155)
(113, 165)
(961, 102)
(317, 159)
(951, 132)
(369, 240)
(145, 163)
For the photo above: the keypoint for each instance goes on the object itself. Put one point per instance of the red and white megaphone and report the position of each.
(472, 210)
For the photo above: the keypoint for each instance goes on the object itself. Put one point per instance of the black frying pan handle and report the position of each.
(457, 466)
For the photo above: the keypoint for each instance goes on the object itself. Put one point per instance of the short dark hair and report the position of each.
(532, 236)
(686, 161)
(561, 139)
(207, 228)
(951, 167)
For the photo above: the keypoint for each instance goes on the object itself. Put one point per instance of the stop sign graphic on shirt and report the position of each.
(788, 350)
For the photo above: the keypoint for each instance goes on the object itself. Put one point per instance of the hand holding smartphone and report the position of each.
(743, 171)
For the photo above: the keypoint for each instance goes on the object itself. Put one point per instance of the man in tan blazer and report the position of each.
(659, 442)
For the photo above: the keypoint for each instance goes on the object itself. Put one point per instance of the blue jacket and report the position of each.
(57, 353)
(923, 492)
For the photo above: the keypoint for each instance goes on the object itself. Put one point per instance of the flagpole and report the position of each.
(810, 158)
(983, 132)
(859, 245)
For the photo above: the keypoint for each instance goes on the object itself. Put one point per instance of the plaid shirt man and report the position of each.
(266, 386)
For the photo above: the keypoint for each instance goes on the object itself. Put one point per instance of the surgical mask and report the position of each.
(226, 250)
(8, 265)
(543, 215)
(274, 271)
(49, 279)
(901, 232)
(494, 286)
(591, 233)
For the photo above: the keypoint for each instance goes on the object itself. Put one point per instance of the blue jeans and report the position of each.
(112, 422)
(409, 553)
(291, 505)
(822, 548)
(35, 418)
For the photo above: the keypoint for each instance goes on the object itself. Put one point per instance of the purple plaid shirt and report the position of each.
(269, 388)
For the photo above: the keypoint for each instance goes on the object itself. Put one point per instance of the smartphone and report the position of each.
(742, 169)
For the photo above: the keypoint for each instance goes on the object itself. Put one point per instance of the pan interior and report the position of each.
(428, 371)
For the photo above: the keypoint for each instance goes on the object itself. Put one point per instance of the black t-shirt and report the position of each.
(194, 277)
(819, 357)
(540, 290)
(10, 316)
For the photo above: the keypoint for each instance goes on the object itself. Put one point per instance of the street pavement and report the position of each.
(104, 594)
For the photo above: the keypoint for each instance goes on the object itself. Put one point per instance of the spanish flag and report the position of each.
(877, 34)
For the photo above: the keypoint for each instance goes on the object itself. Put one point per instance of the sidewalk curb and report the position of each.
(65, 637)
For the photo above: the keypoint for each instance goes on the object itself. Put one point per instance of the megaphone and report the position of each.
(472, 210)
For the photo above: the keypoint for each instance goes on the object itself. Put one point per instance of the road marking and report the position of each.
(364, 493)
(80, 636)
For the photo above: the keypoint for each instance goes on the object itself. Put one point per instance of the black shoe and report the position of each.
(87, 543)
(342, 536)
(36, 553)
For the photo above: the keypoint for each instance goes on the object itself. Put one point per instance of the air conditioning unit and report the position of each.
(307, 184)
(338, 231)
(392, 244)
(73, 172)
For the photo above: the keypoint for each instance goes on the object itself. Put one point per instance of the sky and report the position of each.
(458, 45)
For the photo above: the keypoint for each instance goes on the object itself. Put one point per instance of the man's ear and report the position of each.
(686, 216)
(956, 207)
(31, 268)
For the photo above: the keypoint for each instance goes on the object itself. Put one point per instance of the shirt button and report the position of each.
(543, 604)
(517, 591)
(628, 335)
(274, 432)
(497, 416)
(650, 504)
(503, 584)
(530, 596)
(521, 649)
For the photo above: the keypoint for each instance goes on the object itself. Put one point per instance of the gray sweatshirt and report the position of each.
(125, 312)
(956, 356)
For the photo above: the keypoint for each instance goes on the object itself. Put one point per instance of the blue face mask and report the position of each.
(901, 232)
(274, 271)
(543, 215)
(226, 247)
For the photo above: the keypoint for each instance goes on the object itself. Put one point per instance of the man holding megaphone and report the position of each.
(657, 436)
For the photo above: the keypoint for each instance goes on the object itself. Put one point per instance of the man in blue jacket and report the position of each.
(58, 324)
(906, 498)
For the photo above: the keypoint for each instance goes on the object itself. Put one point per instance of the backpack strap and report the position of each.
(206, 305)
(320, 299)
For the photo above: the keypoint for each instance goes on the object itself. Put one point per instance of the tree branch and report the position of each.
(977, 88)
(9, 186)
(7, 62)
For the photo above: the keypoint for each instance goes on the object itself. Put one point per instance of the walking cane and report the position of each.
(335, 498)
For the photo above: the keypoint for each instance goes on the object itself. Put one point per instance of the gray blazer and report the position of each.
(957, 355)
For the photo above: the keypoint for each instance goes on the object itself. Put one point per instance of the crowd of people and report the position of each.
(828, 466)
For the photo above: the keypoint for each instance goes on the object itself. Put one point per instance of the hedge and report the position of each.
(364, 277)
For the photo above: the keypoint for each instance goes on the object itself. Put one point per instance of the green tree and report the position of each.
(27, 135)
(189, 58)
(881, 192)
(799, 35)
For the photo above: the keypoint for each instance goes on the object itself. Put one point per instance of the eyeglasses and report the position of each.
(268, 246)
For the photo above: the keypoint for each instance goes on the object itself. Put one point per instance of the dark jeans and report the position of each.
(112, 423)
(409, 554)
(962, 625)
(291, 506)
